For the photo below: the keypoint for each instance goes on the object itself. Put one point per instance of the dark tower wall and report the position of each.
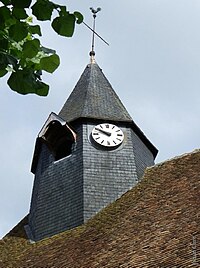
(57, 198)
(143, 156)
(71, 190)
(109, 174)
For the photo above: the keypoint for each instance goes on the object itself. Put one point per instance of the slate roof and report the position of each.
(93, 97)
(156, 224)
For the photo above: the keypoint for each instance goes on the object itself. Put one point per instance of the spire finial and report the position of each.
(92, 52)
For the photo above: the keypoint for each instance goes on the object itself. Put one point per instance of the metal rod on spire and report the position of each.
(92, 52)
(96, 33)
(94, 12)
(94, 16)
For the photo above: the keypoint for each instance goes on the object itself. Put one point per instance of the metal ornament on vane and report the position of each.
(92, 52)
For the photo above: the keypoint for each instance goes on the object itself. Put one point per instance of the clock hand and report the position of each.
(103, 131)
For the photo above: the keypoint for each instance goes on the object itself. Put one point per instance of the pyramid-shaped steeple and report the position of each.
(93, 97)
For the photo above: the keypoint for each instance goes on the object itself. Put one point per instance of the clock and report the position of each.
(107, 135)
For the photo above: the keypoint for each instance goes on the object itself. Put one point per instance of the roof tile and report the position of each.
(156, 224)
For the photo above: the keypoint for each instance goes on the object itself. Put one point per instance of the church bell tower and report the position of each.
(85, 157)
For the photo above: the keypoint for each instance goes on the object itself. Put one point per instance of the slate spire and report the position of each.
(94, 98)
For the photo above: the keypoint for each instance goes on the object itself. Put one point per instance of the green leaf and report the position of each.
(61, 9)
(19, 13)
(25, 82)
(31, 48)
(64, 25)
(18, 31)
(21, 3)
(3, 44)
(43, 9)
(6, 59)
(35, 29)
(6, 2)
(4, 16)
(5, 13)
(43, 89)
(79, 17)
(3, 72)
(50, 64)
(16, 52)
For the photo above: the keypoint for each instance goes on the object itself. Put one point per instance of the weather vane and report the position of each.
(94, 12)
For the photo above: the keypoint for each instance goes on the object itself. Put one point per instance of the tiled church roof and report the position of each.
(156, 224)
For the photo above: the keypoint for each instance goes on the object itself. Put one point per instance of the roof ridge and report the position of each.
(174, 158)
(89, 82)
(86, 91)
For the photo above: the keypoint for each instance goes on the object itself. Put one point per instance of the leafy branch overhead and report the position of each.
(21, 53)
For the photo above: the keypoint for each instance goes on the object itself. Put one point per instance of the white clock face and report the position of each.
(107, 135)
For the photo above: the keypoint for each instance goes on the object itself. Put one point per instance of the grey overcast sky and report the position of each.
(153, 63)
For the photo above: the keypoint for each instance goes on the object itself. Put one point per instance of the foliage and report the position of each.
(21, 53)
